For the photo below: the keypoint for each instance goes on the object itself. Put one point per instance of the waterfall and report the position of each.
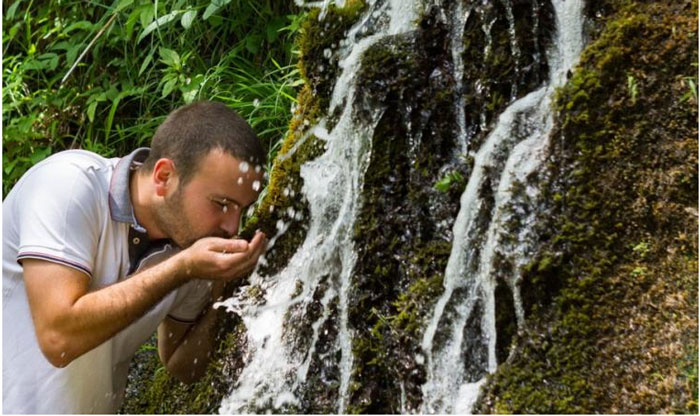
(276, 366)
(299, 319)
(515, 147)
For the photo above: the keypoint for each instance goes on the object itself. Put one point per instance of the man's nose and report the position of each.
(229, 224)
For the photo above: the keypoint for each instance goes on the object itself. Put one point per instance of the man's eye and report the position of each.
(221, 204)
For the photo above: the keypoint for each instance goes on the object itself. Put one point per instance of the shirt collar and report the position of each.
(120, 206)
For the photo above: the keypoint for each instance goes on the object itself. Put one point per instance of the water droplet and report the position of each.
(63, 354)
(290, 212)
(306, 122)
(258, 168)
(240, 181)
(327, 53)
(224, 209)
(244, 166)
(256, 103)
(286, 192)
(256, 185)
(280, 225)
(321, 68)
(272, 209)
(195, 361)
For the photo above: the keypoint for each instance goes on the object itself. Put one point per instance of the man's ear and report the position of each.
(164, 177)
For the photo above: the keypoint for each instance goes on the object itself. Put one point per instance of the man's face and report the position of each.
(212, 202)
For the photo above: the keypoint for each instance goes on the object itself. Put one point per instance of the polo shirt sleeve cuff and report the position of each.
(54, 256)
(181, 320)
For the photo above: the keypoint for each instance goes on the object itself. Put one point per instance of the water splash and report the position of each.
(515, 148)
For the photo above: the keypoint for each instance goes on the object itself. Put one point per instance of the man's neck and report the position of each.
(141, 191)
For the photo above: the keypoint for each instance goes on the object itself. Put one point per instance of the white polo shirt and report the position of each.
(74, 209)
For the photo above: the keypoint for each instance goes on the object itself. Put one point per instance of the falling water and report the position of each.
(457, 47)
(276, 368)
(515, 148)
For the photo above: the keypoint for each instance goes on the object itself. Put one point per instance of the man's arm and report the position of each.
(185, 349)
(70, 321)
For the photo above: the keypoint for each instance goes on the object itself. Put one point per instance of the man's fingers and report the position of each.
(226, 245)
(258, 242)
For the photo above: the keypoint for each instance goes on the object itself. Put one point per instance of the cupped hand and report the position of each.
(215, 258)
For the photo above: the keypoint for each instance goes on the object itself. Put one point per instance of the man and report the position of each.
(98, 253)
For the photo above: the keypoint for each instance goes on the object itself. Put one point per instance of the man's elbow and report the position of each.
(186, 373)
(56, 348)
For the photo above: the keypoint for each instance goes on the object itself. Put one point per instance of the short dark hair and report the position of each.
(191, 132)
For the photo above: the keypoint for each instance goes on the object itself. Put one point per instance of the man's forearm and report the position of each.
(187, 357)
(190, 359)
(94, 317)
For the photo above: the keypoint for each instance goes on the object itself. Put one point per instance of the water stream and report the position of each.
(458, 347)
(277, 368)
(516, 148)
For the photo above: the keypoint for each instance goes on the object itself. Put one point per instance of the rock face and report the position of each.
(596, 313)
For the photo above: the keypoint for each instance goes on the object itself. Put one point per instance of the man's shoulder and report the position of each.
(66, 175)
(79, 159)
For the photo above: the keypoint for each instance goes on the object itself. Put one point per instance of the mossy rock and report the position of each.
(612, 297)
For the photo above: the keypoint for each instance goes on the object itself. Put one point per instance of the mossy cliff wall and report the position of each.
(611, 297)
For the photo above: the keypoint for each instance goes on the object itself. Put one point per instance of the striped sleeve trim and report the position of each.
(54, 259)
(182, 321)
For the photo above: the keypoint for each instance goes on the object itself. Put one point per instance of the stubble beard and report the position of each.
(170, 217)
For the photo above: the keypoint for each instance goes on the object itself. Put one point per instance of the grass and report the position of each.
(101, 75)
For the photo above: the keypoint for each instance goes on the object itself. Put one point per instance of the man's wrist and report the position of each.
(181, 268)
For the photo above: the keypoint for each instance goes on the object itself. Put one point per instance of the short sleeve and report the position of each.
(58, 216)
(191, 299)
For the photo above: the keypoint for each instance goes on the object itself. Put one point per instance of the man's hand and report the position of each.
(216, 258)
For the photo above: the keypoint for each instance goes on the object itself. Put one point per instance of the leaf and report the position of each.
(169, 57)
(191, 89)
(145, 63)
(273, 28)
(72, 53)
(188, 18)
(10, 14)
(146, 15)
(123, 4)
(213, 7)
(443, 185)
(169, 86)
(253, 43)
(82, 25)
(160, 22)
(8, 166)
(91, 111)
(40, 155)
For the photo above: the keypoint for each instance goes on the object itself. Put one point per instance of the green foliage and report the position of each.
(451, 178)
(102, 75)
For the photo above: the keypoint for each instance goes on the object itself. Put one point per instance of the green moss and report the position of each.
(319, 40)
(612, 297)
